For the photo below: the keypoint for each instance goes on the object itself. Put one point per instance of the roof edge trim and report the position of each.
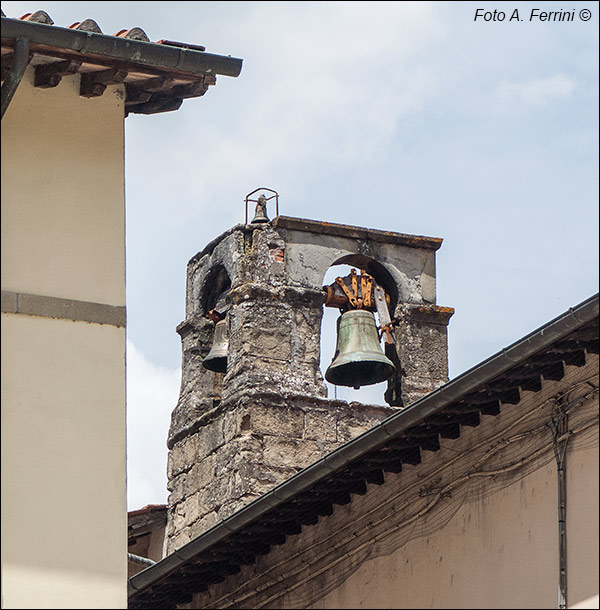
(177, 59)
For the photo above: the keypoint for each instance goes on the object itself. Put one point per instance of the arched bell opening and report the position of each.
(214, 306)
(215, 288)
(344, 337)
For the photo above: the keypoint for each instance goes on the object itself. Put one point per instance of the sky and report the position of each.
(413, 117)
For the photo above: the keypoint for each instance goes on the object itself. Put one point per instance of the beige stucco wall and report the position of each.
(498, 552)
(63, 231)
(64, 513)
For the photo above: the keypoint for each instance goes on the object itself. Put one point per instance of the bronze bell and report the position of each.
(216, 359)
(260, 214)
(358, 359)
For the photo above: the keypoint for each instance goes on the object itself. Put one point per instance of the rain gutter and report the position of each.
(373, 439)
(15, 74)
(149, 54)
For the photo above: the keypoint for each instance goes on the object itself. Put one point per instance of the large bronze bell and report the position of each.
(358, 359)
(216, 359)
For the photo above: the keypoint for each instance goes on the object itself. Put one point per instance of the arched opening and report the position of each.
(216, 285)
(370, 394)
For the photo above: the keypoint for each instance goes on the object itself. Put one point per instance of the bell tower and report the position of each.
(253, 406)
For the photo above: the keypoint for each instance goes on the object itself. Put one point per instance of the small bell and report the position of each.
(216, 359)
(359, 359)
(260, 214)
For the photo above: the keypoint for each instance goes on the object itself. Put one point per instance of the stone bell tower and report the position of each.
(240, 430)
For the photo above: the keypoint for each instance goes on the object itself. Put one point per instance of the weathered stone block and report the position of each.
(190, 509)
(176, 484)
(227, 509)
(182, 457)
(321, 425)
(204, 524)
(294, 453)
(202, 474)
(276, 420)
(236, 423)
(182, 536)
(213, 497)
(210, 437)
(349, 428)
(237, 451)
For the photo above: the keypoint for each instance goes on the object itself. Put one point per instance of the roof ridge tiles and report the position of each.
(87, 25)
(38, 17)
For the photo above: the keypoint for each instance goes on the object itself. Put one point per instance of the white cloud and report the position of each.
(152, 393)
(321, 88)
(536, 92)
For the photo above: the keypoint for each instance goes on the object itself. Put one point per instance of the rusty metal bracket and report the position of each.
(263, 188)
(387, 330)
(349, 291)
(351, 296)
(366, 287)
(354, 282)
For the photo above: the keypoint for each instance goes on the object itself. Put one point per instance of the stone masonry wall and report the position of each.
(241, 453)
(421, 352)
(236, 435)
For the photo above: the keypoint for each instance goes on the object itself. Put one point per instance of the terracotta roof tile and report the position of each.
(134, 34)
(38, 17)
(87, 25)
(149, 508)
(157, 76)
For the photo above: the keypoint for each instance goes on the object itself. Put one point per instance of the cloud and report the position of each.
(152, 393)
(536, 92)
(321, 89)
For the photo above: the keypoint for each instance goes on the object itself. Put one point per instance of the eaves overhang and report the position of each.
(157, 76)
(301, 500)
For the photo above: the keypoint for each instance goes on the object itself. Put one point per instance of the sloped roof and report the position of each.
(398, 440)
(157, 76)
(146, 519)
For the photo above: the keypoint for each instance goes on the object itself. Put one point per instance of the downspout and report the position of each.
(560, 438)
(15, 74)
(143, 561)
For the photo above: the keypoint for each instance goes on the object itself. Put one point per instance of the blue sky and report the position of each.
(404, 116)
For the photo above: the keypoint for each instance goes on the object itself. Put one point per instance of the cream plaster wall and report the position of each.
(63, 232)
(64, 512)
(582, 529)
(500, 551)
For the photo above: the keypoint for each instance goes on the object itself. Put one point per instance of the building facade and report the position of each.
(63, 347)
